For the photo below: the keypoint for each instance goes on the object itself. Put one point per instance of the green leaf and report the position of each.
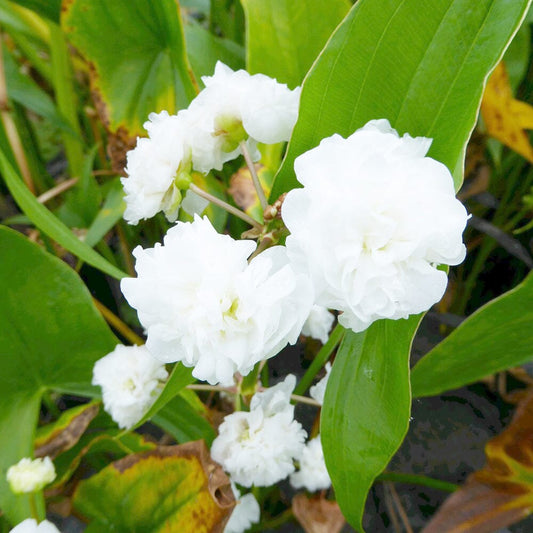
(49, 224)
(497, 336)
(423, 67)
(284, 37)
(366, 409)
(173, 488)
(137, 58)
(50, 338)
(46, 8)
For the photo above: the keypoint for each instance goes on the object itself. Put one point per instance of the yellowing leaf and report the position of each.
(63, 434)
(499, 494)
(171, 489)
(507, 118)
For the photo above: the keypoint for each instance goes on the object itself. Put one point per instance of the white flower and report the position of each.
(318, 323)
(258, 447)
(152, 167)
(373, 221)
(317, 391)
(201, 303)
(244, 514)
(312, 474)
(30, 526)
(30, 476)
(131, 380)
(235, 107)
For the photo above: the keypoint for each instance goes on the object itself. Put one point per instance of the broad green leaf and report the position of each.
(205, 49)
(46, 8)
(184, 420)
(136, 55)
(284, 37)
(61, 435)
(366, 409)
(497, 336)
(49, 224)
(50, 338)
(173, 488)
(421, 64)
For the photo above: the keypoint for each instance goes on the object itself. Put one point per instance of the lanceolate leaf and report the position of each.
(173, 488)
(366, 409)
(480, 346)
(421, 64)
(284, 37)
(50, 338)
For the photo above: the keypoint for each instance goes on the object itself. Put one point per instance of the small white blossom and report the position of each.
(30, 475)
(318, 323)
(372, 237)
(30, 526)
(312, 474)
(235, 107)
(152, 167)
(201, 303)
(258, 447)
(245, 513)
(131, 380)
(317, 391)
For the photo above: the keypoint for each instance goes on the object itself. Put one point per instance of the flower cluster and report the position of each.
(368, 230)
(30, 475)
(233, 110)
(258, 447)
(131, 380)
(203, 304)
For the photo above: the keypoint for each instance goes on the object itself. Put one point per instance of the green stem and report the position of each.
(415, 479)
(33, 506)
(320, 360)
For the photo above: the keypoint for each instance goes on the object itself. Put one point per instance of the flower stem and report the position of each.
(33, 507)
(304, 399)
(320, 360)
(416, 479)
(255, 178)
(114, 321)
(216, 388)
(224, 205)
